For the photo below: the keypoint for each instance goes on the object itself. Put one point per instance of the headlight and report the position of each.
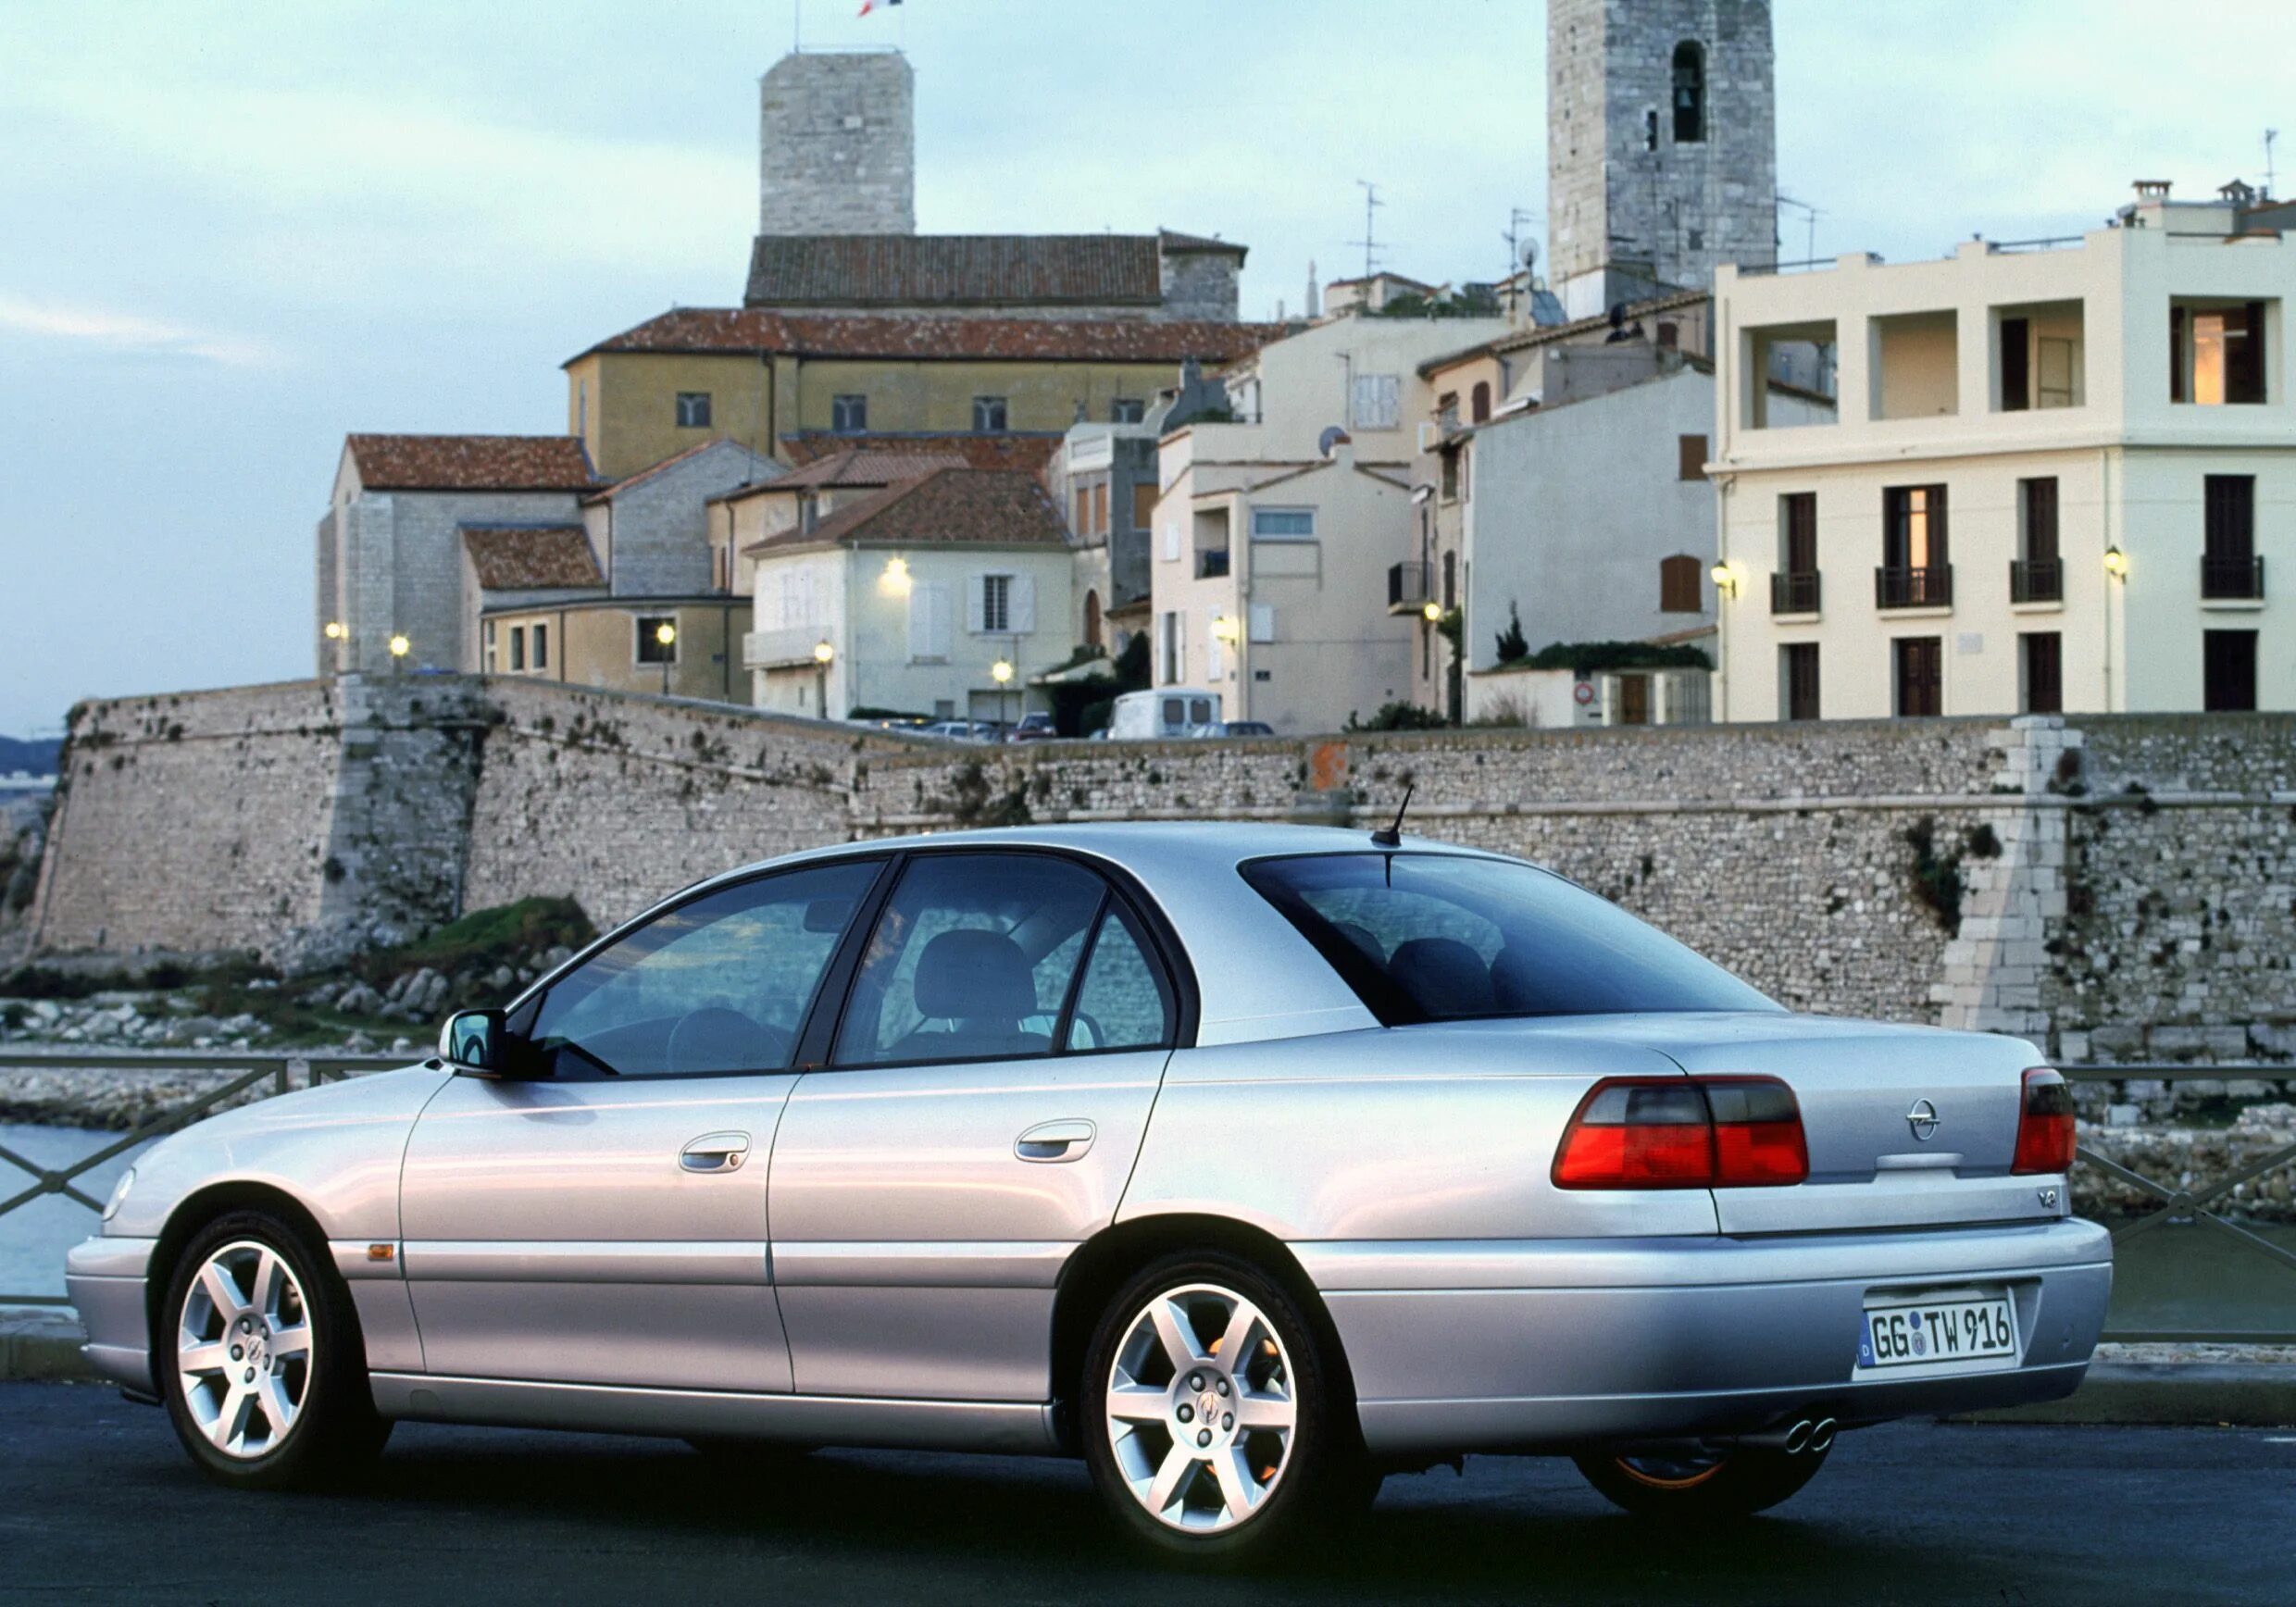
(119, 1194)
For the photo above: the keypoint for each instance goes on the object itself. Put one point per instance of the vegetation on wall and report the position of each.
(1398, 716)
(1512, 644)
(1585, 658)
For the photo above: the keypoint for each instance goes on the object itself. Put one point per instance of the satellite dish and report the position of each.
(1333, 435)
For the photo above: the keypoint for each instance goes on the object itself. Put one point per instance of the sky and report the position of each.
(232, 233)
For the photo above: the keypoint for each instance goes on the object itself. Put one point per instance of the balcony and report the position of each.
(1925, 587)
(2037, 580)
(2232, 580)
(1212, 565)
(1408, 588)
(790, 645)
(1793, 592)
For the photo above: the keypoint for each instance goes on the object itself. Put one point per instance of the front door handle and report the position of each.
(715, 1152)
(1055, 1140)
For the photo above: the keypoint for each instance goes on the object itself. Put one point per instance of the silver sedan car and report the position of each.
(1249, 1163)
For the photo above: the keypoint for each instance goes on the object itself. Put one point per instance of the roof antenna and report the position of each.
(1391, 834)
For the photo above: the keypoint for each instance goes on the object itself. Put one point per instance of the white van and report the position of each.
(1168, 711)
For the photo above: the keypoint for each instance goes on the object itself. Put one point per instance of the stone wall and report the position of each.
(837, 145)
(2117, 891)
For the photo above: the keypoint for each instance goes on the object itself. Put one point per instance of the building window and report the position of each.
(517, 647)
(1100, 508)
(1669, 335)
(488, 633)
(1451, 581)
(1690, 93)
(651, 649)
(2228, 671)
(1172, 648)
(2043, 669)
(2037, 575)
(1143, 505)
(1920, 664)
(989, 413)
(694, 410)
(1127, 410)
(1377, 403)
(2217, 353)
(1083, 523)
(1283, 524)
(1680, 591)
(849, 415)
(541, 647)
(996, 604)
(1690, 458)
(1798, 668)
(1092, 619)
(2229, 567)
(1450, 487)
(1447, 410)
(1479, 402)
(1914, 572)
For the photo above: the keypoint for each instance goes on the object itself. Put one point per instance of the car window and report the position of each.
(1424, 936)
(972, 959)
(1125, 1002)
(718, 984)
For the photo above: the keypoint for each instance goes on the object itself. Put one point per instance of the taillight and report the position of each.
(2044, 1124)
(1677, 1132)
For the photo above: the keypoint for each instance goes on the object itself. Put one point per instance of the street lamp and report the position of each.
(823, 654)
(400, 648)
(666, 634)
(334, 630)
(1432, 611)
(2116, 563)
(1724, 580)
(1000, 672)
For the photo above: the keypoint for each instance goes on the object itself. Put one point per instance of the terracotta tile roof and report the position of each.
(471, 462)
(1029, 454)
(744, 331)
(949, 506)
(864, 467)
(1540, 334)
(531, 557)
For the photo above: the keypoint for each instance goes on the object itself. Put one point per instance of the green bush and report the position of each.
(1585, 658)
(508, 934)
(1399, 716)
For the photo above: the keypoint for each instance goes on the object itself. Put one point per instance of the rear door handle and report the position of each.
(1065, 1141)
(715, 1152)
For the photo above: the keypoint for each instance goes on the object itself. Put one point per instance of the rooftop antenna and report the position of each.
(2270, 136)
(1370, 241)
(1391, 834)
(1812, 214)
(1516, 261)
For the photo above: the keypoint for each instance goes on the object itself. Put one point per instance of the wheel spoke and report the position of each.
(1137, 1403)
(290, 1341)
(1176, 1333)
(230, 1419)
(263, 1286)
(1170, 1480)
(204, 1358)
(222, 1292)
(1234, 1345)
(270, 1393)
(1255, 1410)
(1240, 1492)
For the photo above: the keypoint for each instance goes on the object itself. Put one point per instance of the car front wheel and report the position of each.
(1214, 1424)
(261, 1360)
(1695, 1486)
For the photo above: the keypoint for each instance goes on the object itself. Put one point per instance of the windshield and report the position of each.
(1431, 937)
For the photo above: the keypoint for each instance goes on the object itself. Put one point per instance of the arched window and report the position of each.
(1092, 619)
(1680, 589)
(1481, 402)
(1690, 93)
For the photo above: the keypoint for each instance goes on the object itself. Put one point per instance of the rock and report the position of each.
(358, 999)
(45, 1010)
(399, 985)
(434, 993)
(358, 1042)
(2123, 1116)
(501, 978)
(402, 1045)
(327, 992)
(557, 955)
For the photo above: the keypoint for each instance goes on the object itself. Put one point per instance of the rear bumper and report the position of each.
(1528, 1344)
(105, 1278)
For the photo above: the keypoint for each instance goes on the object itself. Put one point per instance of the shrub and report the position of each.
(1398, 716)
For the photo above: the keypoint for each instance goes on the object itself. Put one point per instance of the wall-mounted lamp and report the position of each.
(822, 652)
(1224, 629)
(401, 647)
(2116, 563)
(334, 630)
(1724, 580)
(1432, 611)
(894, 581)
(1000, 672)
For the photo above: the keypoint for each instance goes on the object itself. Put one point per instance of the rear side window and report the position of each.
(1430, 937)
(1125, 1002)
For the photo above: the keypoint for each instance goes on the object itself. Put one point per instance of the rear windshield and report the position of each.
(1431, 937)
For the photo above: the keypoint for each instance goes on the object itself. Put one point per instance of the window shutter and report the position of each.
(1020, 605)
(1171, 541)
(1263, 622)
(977, 603)
(921, 622)
(1215, 656)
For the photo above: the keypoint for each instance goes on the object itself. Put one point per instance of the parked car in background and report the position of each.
(1033, 727)
(1247, 1163)
(1232, 729)
(1165, 712)
(967, 730)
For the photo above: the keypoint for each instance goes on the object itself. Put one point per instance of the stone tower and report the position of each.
(1661, 146)
(837, 145)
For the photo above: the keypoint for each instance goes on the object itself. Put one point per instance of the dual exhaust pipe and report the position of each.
(1812, 1435)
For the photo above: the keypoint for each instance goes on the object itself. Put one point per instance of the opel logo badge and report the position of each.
(1923, 1118)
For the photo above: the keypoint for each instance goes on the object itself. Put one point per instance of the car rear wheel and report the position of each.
(1720, 1484)
(261, 1361)
(1215, 1423)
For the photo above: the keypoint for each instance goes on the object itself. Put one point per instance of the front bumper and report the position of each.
(105, 1278)
(1543, 1344)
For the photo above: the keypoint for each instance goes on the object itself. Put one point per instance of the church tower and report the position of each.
(837, 143)
(1661, 146)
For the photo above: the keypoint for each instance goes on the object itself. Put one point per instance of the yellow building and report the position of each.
(770, 380)
(672, 646)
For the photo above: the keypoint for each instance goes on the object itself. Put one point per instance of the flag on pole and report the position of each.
(869, 5)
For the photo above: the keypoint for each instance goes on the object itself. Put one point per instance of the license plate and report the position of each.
(1932, 1331)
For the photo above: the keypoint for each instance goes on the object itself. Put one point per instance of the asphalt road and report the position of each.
(97, 1502)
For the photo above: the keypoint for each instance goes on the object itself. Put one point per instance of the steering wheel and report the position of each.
(715, 1037)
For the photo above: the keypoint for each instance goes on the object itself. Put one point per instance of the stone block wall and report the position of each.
(837, 145)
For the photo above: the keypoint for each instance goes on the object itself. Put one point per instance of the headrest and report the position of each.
(1443, 975)
(1361, 937)
(973, 976)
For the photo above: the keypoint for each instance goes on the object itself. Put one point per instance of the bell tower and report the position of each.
(1661, 146)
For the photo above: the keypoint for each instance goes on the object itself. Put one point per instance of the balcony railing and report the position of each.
(2036, 580)
(2232, 580)
(1793, 592)
(1212, 565)
(1408, 588)
(1925, 587)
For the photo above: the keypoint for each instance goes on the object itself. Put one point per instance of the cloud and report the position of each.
(125, 332)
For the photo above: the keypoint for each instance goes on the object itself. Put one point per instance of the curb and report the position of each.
(41, 1344)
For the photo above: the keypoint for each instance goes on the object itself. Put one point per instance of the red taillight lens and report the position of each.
(2045, 1124)
(1725, 1132)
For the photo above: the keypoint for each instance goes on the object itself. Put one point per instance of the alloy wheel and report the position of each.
(243, 1350)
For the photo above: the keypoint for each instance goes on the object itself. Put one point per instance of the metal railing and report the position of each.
(1929, 586)
(1793, 592)
(2232, 580)
(2189, 1203)
(283, 1073)
(2036, 581)
(1212, 564)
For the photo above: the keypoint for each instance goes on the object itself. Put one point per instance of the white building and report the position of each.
(910, 598)
(1274, 533)
(2056, 480)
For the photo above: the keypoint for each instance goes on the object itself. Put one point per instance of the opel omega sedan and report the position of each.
(1249, 1163)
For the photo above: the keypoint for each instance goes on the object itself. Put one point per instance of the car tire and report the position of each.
(258, 1355)
(1730, 1484)
(1184, 1474)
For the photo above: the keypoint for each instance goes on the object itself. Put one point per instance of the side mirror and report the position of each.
(475, 1042)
